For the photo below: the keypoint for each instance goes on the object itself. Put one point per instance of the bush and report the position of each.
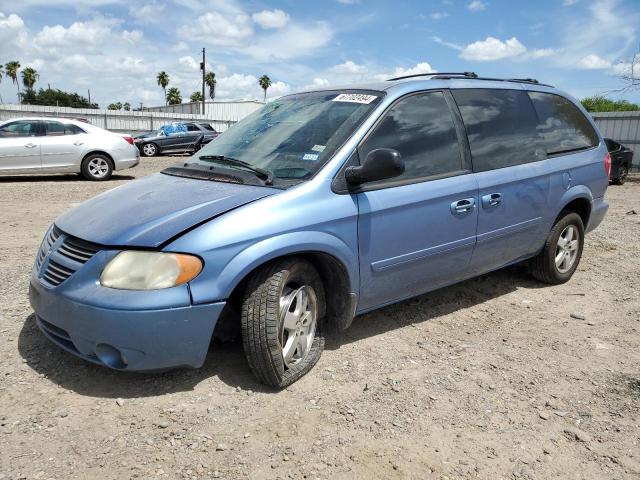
(598, 103)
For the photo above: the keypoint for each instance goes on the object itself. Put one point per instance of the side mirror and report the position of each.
(380, 164)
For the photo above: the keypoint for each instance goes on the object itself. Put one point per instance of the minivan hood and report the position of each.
(154, 209)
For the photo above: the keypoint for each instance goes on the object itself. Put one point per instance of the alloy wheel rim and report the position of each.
(149, 149)
(567, 248)
(98, 167)
(298, 323)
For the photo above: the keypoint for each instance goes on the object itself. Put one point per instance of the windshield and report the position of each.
(293, 137)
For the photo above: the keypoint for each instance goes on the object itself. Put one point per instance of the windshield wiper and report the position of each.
(266, 175)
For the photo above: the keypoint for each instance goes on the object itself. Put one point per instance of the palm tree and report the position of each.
(196, 97)
(210, 81)
(29, 78)
(265, 83)
(173, 96)
(12, 72)
(163, 81)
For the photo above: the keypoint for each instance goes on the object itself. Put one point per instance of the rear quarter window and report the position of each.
(501, 126)
(563, 127)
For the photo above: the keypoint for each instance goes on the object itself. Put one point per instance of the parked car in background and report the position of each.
(621, 161)
(318, 207)
(175, 138)
(63, 145)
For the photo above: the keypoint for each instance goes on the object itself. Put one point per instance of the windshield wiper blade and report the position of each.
(234, 162)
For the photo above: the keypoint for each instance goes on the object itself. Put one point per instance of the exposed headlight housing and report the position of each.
(138, 270)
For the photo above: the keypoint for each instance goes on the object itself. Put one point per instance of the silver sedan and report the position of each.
(58, 145)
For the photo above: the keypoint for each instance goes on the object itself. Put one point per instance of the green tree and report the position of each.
(115, 106)
(196, 97)
(599, 103)
(29, 78)
(210, 81)
(163, 81)
(126, 106)
(56, 97)
(173, 96)
(265, 83)
(11, 69)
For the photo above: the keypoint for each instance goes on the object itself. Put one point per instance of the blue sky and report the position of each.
(116, 47)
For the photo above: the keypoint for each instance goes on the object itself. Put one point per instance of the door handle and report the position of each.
(78, 143)
(464, 206)
(491, 200)
(30, 145)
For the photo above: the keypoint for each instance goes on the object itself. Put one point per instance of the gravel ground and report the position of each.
(493, 378)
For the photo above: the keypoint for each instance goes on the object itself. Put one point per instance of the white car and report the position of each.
(60, 145)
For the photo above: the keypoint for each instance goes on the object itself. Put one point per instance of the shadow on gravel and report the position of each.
(227, 361)
(57, 178)
(436, 304)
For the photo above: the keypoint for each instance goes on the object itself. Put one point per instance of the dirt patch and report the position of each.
(492, 378)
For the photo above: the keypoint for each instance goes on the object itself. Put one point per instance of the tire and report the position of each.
(621, 176)
(544, 266)
(269, 325)
(97, 167)
(149, 150)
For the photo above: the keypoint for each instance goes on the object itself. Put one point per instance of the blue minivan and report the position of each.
(319, 207)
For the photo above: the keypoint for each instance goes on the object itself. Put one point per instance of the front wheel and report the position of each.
(623, 171)
(282, 312)
(97, 167)
(149, 149)
(562, 251)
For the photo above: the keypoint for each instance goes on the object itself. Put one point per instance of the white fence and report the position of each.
(114, 120)
(624, 128)
(233, 111)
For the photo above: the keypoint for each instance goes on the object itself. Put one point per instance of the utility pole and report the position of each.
(203, 68)
(89, 92)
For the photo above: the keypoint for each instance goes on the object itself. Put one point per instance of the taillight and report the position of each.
(607, 164)
(128, 138)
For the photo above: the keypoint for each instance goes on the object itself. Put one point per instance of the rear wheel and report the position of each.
(562, 251)
(623, 171)
(97, 167)
(282, 315)
(149, 149)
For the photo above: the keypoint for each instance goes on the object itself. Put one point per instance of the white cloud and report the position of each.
(219, 29)
(493, 49)
(317, 83)
(12, 31)
(245, 87)
(422, 67)
(568, 3)
(349, 67)
(148, 13)
(593, 62)
(349, 2)
(294, 41)
(78, 36)
(542, 53)
(271, 18)
(477, 6)
(133, 36)
(439, 15)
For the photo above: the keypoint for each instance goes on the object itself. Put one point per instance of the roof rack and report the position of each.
(447, 74)
(470, 76)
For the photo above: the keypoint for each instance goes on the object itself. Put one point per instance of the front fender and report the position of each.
(248, 259)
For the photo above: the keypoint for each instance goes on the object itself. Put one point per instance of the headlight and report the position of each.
(135, 270)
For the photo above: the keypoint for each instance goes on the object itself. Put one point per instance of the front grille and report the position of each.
(55, 273)
(61, 255)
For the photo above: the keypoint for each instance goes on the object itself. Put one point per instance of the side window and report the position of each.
(17, 129)
(70, 129)
(501, 127)
(206, 126)
(562, 125)
(54, 129)
(422, 129)
(192, 128)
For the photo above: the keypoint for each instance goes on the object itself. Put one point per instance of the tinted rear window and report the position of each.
(501, 127)
(563, 126)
